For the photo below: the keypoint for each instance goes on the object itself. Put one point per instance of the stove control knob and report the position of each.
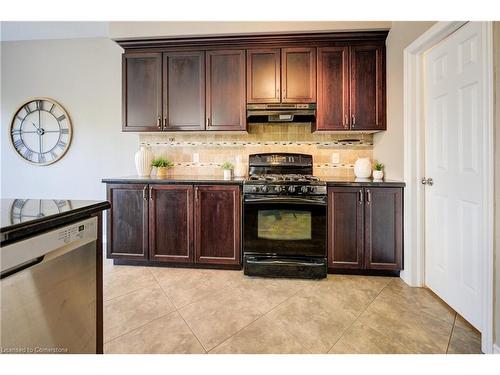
(291, 189)
(264, 189)
(278, 189)
(255, 189)
(304, 189)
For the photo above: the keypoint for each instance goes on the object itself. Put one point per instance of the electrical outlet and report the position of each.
(335, 158)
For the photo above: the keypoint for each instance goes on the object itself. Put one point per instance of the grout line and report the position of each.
(359, 315)
(451, 333)
(179, 313)
(138, 327)
(262, 316)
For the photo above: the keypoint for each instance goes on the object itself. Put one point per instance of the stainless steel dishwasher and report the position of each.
(48, 291)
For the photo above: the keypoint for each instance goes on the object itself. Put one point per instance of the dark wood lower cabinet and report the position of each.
(165, 223)
(383, 228)
(217, 218)
(345, 231)
(365, 228)
(171, 223)
(127, 223)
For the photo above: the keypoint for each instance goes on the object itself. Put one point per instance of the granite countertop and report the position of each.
(331, 181)
(24, 217)
(174, 180)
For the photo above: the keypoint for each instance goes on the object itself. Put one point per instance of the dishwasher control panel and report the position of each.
(64, 238)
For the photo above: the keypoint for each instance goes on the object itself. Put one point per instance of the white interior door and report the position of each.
(454, 128)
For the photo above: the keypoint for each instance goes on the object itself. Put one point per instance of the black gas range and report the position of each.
(284, 217)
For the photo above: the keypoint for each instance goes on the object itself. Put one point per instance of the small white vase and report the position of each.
(143, 159)
(378, 175)
(363, 168)
(228, 174)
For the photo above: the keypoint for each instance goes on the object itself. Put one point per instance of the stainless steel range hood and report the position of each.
(281, 113)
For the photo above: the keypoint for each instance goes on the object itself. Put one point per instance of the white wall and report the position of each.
(84, 75)
(496, 51)
(130, 29)
(388, 145)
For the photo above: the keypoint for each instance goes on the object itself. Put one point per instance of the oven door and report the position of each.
(284, 226)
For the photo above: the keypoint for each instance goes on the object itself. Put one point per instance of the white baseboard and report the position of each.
(496, 349)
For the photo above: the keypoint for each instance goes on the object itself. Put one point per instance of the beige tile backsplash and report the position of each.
(215, 148)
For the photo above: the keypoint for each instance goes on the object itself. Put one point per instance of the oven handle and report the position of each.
(321, 201)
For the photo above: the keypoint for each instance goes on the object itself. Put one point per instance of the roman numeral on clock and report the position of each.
(27, 109)
(53, 155)
(28, 154)
(61, 118)
(64, 131)
(61, 143)
(41, 158)
(18, 144)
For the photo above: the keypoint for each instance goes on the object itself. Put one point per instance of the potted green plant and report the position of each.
(162, 166)
(228, 170)
(378, 171)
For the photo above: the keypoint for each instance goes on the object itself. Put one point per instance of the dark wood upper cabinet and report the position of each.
(142, 92)
(298, 75)
(184, 91)
(263, 75)
(127, 221)
(333, 89)
(225, 90)
(171, 223)
(383, 228)
(217, 223)
(368, 88)
(345, 228)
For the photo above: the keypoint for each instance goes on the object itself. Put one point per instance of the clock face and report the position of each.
(23, 210)
(41, 131)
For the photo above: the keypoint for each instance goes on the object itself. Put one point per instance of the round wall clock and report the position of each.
(40, 131)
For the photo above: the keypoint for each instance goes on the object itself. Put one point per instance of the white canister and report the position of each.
(143, 159)
(363, 168)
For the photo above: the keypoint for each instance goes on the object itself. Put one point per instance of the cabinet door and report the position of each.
(383, 228)
(127, 221)
(171, 223)
(345, 227)
(225, 80)
(217, 224)
(141, 92)
(263, 76)
(368, 88)
(184, 91)
(298, 75)
(333, 88)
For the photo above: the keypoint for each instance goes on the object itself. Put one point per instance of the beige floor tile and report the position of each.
(168, 334)
(351, 293)
(120, 280)
(261, 337)
(361, 339)
(218, 317)
(315, 322)
(465, 339)
(185, 286)
(125, 313)
(420, 299)
(265, 293)
(419, 332)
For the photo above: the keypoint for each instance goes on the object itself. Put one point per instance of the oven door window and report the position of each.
(284, 229)
(284, 225)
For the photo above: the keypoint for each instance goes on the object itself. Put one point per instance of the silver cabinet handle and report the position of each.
(353, 120)
(368, 196)
(360, 196)
(144, 193)
(427, 181)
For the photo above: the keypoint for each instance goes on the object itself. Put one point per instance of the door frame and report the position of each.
(414, 167)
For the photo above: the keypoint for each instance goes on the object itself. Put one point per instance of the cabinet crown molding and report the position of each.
(255, 40)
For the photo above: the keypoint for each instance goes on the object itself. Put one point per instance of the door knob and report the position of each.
(427, 181)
